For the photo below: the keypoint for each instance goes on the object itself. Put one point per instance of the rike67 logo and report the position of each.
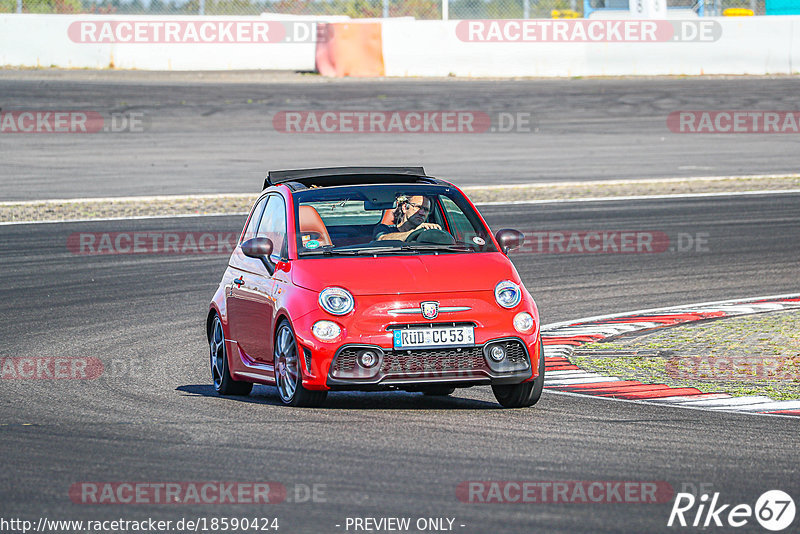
(774, 510)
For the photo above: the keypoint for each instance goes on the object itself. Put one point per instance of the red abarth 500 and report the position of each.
(372, 278)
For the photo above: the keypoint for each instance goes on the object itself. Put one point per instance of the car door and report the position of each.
(251, 297)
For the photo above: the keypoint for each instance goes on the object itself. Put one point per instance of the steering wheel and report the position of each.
(430, 235)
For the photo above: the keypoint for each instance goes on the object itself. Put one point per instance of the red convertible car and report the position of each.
(372, 278)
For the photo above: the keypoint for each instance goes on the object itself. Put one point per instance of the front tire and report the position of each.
(289, 375)
(525, 394)
(224, 384)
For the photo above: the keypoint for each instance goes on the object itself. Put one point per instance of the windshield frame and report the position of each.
(390, 190)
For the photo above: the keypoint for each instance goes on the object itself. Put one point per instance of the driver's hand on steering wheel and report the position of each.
(428, 226)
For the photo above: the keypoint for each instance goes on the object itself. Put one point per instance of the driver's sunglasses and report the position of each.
(420, 207)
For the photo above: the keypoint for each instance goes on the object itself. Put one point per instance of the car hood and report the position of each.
(406, 274)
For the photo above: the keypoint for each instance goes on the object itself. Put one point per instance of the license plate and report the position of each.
(442, 336)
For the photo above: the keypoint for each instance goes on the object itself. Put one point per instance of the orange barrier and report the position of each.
(737, 12)
(350, 49)
(564, 14)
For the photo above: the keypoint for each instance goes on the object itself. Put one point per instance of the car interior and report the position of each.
(313, 228)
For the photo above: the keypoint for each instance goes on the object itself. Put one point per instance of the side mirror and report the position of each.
(261, 248)
(509, 239)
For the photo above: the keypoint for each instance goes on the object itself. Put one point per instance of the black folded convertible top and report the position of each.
(332, 176)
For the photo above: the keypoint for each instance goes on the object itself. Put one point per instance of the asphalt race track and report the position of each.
(153, 415)
(202, 135)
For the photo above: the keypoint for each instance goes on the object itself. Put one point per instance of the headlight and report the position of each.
(326, 330)
(523, 322)
(336, 300)
(507, 294)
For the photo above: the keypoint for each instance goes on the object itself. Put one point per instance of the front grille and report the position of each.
(515, 352)
(441, 360)
(423, 361)
(345, 362)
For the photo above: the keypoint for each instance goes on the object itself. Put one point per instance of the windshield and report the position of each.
(387, 219)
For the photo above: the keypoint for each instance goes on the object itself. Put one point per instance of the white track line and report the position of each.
(151, 198)
(689, 399)
(651, 403)
(679, 308)
(641, 197)
(505, 203)
(731, 401)
(585, 380)
(775, 405)
(668, 180)
(131, 218)
(467, 188)
(572, 375)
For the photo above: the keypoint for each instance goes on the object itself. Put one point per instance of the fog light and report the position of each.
(367, 358)
(523, 322)
(497, 353)
(326, 330)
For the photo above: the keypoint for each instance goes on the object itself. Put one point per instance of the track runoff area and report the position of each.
(589, 418)
(589, 435)
(563, 376)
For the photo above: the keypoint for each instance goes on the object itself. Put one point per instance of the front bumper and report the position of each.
(470, 365)
(372, 324)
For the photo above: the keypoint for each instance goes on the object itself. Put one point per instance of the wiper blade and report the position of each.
(417, 248)
(434, 246)
(381, 250)
(330, 252)
(366, 251)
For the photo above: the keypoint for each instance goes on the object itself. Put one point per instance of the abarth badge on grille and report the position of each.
(430, 309)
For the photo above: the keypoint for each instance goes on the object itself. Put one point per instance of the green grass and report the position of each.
(753, 355)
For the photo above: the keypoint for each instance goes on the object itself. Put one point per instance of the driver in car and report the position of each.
(409, 215)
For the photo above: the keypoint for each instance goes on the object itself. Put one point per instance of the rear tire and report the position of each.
(221, 378)
(288, 372)
(525, 394)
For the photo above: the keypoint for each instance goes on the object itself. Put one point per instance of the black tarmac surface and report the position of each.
(153, 416)
(213, 132)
